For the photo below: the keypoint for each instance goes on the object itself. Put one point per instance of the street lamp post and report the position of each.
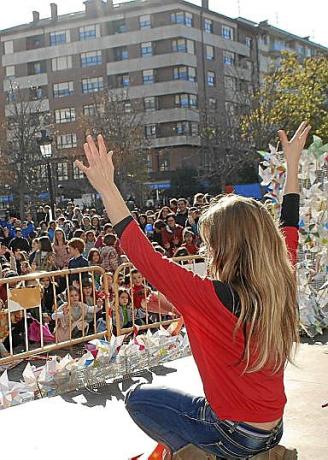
(45, 144)
(21, 190)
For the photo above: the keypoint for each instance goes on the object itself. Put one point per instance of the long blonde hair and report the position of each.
(247, 250)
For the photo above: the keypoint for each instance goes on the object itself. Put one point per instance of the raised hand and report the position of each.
(100, 171)
(293, 148)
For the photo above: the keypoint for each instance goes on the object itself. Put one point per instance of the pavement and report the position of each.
(88, 424)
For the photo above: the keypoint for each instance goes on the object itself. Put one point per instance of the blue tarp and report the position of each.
(249, 190)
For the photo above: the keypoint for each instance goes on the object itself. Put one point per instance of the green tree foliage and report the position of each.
(296, 91)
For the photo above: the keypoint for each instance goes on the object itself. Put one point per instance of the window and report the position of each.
(150, 131)
(61, 63)
(148, 77)
(66, 141)
(145, 22)
(59, 38)
(164, 164)
(9, 47)
(10, 71)
(123, 81)
(194, 129)
(209, 52)
(182, 17)
(300, 49)
(228, 58)
(77, 174)
(65, 115)
(62, 171)
(212, 103)
(227, 32)
(63, 89)
(281, 45)
(264, 39)
(146, 49)
(192, 74)
(119, 27)
(230, 109)
(35, 68)
(208, 26)
(193, 101)
(92, 85)
(186, 101)
(150, 104)
(182, 100)
(91, 58)
(184, 73)
(89, 32)
(121, 53)
(12, 96)
(211, 78)
(181, 45)
(127, 107)
(89, 110)
(230, 83)
(180, 73)
(36, 92)
(182, 128)
(34, 42)
(248, 42)
(308, 52)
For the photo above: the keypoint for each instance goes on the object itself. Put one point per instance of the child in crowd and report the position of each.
(108, 253)
(76, 248)
(110, 291)
(59, 248)
(44, 258)
(72, 316)
(94, 260)
(125, 310)
(140, 292)
(92, 298)
(189, 242)
(90, 241)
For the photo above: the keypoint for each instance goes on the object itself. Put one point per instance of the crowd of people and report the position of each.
(78, 238)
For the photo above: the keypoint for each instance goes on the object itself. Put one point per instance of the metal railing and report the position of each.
(24, 304)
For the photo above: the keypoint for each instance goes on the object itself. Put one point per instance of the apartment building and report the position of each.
(271, 41)
(176, 59)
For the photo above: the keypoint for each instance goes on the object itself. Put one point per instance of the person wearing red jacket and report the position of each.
(172, 235)
(189, 242)
(242, 321)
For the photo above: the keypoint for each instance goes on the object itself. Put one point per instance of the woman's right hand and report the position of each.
(293, 148)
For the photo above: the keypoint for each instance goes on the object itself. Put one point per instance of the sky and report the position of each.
(295, 16)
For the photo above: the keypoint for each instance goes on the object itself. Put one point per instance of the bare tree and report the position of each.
(227, 153)
(20, 156)
(120, 120)
(229, 156)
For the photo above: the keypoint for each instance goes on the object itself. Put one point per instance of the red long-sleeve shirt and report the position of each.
(232, 394)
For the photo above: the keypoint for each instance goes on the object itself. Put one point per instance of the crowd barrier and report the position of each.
(24, 295)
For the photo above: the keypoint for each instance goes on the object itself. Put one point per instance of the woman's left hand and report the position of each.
(100, 171)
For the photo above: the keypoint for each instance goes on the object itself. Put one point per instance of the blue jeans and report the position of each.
(176, 419)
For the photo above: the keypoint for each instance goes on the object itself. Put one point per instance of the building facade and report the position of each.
(177, 60)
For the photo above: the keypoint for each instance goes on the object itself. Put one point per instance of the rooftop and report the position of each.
(111, 6)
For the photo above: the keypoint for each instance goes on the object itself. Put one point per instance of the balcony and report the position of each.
(175, 141)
